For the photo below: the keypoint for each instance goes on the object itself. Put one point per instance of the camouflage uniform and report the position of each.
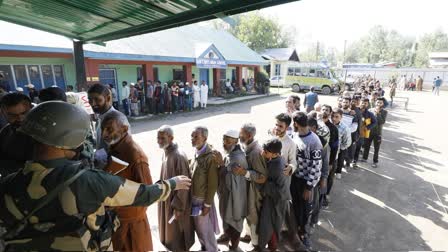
(72, 220)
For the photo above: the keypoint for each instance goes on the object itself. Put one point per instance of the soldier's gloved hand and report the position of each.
(182, 182)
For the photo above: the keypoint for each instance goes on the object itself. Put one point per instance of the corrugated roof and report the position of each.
(105, 20)
(282, 54)
(179, 44)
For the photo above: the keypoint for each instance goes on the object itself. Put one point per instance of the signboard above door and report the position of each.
(211, 58)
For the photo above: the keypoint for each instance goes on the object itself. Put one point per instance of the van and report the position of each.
(303, 76)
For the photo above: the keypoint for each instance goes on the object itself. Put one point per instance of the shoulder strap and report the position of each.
(43, 202)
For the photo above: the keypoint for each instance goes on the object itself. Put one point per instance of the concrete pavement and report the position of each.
(402, 205)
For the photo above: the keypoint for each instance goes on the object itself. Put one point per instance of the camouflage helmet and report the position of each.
(57, 124)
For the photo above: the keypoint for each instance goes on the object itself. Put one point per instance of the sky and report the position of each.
(333, 21)
(330, 22)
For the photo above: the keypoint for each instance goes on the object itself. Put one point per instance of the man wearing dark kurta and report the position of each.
(134, 233)
(175, 234)
(232, 190)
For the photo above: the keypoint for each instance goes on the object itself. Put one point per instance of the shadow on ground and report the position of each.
(374, 209)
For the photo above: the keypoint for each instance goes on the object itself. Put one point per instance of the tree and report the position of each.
(258, 32)
(431, 42)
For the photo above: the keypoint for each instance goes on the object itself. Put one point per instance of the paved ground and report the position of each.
(402, 205)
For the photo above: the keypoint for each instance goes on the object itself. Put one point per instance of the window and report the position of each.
(21, 77)
(34, 74)
(59, 76)
(290, 71)
(6, 80)
(178, 74)
(222, 74)
(320, 74)
(277, 69)
(297, 71)
(47, 75)
(312, 73)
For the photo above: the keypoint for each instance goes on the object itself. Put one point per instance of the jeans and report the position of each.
(359, 145)
(436, 90)
(126, 106)
(189, 103)
(376, 139)
(175, 102)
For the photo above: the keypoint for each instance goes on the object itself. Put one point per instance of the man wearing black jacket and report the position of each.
(334, 147)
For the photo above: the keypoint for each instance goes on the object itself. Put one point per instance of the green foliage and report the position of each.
(258, 32)
(388, 45)
(431, 42)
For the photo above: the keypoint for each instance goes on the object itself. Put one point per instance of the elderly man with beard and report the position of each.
(15, 147)
(175, 234)
(256, 174)
(134, 233)
(204, 186)
(232, 190)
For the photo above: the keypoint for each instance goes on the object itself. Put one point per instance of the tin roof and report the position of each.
(105, 20)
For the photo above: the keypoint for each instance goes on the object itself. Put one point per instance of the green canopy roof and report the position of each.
(104, 20)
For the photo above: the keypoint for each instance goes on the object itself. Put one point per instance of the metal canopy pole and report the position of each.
(80, 67)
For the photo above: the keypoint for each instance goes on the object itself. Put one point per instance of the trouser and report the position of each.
(376, 139)
(318, 199)
(181, 103)
(196, 103)
(150, 105)
(309, 109)
(203, 104)
(175, 102)
(188, 103)
(302, 208)
(349, 157)
(436, 90)
(134, 108)
(330, 178)
(273, 243)
(159, 106)
(359, 145)
(126, 106)
(234, 236)
(340, 161)
(251, 229)
(205, 229)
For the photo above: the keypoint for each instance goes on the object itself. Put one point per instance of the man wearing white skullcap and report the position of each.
(232, 191)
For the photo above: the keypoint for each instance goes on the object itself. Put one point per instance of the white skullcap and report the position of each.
(232, 133)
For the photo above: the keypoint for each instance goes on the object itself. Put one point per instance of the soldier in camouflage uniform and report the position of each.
(76, 219)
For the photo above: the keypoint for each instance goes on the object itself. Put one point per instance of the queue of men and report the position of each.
(72, 183)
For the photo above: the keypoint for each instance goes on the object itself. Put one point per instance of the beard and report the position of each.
(165, 145)
(112, 142)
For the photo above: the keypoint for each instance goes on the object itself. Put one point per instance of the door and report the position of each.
(203, 76)
(6, 80)
(109, 77)
(34, 73)
(47, 75)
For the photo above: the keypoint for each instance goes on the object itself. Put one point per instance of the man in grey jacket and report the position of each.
(232, 190)
(256, 176)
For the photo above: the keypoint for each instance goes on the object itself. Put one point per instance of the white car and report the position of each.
(277, 81)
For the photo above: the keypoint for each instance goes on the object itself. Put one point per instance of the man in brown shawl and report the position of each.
(175, 223)
(134, 233)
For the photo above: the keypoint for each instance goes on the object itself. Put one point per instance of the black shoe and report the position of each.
(223, 239)
(246, 239)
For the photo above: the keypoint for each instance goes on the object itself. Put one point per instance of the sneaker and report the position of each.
(338, 175)
(374, 165)
(354, 165)
(363, 160)
(325, 202)
(246, 239)
(312, 228)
